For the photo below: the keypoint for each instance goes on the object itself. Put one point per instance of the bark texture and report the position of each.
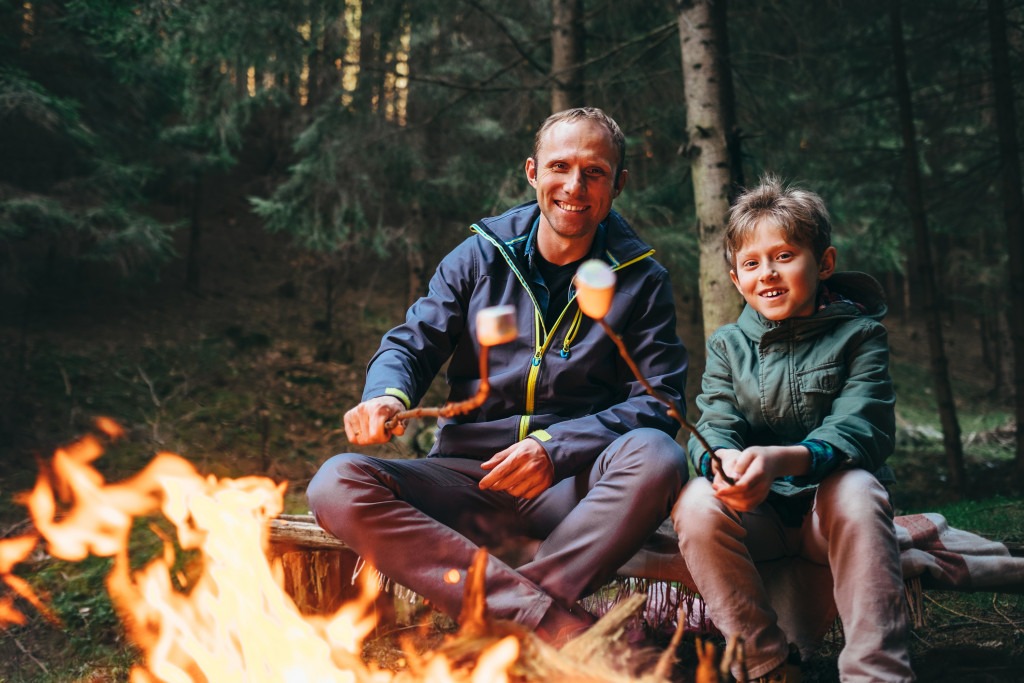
(1013, 202)
(707, 147)
(925, 266)
(566, 54)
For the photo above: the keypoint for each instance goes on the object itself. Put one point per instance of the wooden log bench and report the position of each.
(319, 570)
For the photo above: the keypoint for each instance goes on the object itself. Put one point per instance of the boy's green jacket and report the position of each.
(823, 377)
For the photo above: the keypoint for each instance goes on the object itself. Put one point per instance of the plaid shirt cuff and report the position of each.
(824, 460)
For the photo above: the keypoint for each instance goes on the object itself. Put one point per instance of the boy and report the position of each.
(798, 404)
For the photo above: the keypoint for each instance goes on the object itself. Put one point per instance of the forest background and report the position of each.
(211, 211)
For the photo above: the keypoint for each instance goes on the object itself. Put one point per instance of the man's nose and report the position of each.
(575, 182)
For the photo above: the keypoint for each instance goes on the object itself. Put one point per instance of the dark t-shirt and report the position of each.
(557, 279)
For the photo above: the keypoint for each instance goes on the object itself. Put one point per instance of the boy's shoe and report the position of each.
(787, 672)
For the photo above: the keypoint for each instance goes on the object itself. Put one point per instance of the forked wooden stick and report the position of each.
(494, 325)
(595, 285)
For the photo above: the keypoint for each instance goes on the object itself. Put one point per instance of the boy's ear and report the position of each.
(827, 265)
(735, 280)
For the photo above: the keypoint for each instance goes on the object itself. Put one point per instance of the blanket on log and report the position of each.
(931, 552)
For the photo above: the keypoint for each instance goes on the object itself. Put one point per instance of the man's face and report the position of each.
(574, 178)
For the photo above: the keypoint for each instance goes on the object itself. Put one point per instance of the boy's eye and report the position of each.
(749, 264)
(784, 256)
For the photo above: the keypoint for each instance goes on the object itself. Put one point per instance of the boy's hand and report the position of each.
(523, 469)
(750, 468)
(751, 471)
(754, 469)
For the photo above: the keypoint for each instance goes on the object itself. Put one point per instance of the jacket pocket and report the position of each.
(818, 388)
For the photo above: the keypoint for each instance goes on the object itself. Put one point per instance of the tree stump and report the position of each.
(318, 568)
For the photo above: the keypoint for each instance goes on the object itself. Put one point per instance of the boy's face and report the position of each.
(779, 279)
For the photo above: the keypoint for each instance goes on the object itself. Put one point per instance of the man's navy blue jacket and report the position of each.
(567, 387)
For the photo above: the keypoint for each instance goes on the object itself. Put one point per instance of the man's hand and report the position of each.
(523, 470)
(754, 469)
(364, 424)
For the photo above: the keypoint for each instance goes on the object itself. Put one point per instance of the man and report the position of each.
(567, 448)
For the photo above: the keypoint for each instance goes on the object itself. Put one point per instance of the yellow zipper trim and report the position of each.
(618, 266)
(531, 380)
(541, 347)
(515, 271)
(573, 329)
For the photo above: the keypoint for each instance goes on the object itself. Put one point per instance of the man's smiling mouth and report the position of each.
(572, 208)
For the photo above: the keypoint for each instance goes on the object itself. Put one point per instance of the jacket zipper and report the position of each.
(531, 380)
(540, 347)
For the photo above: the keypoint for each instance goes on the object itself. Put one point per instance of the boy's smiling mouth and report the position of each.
(772, 293)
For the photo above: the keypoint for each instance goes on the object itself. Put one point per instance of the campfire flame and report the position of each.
(234, 621)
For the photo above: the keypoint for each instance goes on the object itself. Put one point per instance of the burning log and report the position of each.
(600, 655)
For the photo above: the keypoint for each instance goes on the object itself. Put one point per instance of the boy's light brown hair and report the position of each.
(800, 214)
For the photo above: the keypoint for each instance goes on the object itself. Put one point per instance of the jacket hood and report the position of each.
(859, 288)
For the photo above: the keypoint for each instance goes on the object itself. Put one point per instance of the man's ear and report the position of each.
(827, 265)
(531, 171)
(620, 183)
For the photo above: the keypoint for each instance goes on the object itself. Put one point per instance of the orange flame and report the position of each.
(234, 622)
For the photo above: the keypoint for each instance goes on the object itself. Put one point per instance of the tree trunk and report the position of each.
(192, 271)
(925, 269)
(733, 139)
(1013, 203)
(709, 156)
(566, 54)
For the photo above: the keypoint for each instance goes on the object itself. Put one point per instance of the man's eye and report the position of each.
(596, 171)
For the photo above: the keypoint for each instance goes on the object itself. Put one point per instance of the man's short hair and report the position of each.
(800, 214)
(585, 114)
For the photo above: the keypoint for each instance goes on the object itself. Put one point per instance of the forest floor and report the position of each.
(245, 378)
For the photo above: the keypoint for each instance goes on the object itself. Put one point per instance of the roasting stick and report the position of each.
(595, 286)
(494, 325)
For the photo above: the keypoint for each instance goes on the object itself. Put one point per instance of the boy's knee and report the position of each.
(853, 495)
(696, 504)
(699, 517)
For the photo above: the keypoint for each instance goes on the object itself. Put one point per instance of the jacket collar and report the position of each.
(857, 287)
(616, 242)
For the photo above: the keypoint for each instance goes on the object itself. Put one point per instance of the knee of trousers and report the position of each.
(698, 516)
(653, 454)
(337, 483)
(853, 496)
